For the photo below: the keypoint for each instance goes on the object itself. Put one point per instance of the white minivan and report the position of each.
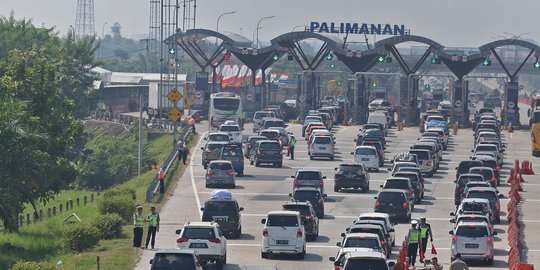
(366, 155)
(234, 131)
(258, 119)
(379, 118)
(283, 233)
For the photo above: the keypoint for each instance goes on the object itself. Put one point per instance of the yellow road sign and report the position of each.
(174, 114)
(174, 96)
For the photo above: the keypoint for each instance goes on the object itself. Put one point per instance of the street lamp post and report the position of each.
(103, 30)
(264, 18)
(219, 18)
(254, 31)
(301, 25)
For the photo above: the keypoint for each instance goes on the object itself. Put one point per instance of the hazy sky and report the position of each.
(464, 23)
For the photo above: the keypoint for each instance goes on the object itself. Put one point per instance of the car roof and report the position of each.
(391, 190)
(481, 168)
(483, 189)
(296, 203)
(365, 146)
(308, 170)
(373, 214)
(361, 235)
(270, 130)
(218, 133)
(200, 224)
(176, 251)
(257, 137)
(474, 200)
(366, 254)
(470, 175)
(283, 213)
(472, 223)
(267, 141)
(220, 161)
(217, 142)
(397, 179)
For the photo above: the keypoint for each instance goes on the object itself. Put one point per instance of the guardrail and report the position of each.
(153, 188)
(130, 120)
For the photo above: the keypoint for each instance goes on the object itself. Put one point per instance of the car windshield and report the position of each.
(472, 231)
(269, 146)
(261, 115)
(220, 166)
(361, 242)
(322, 140)
(282, 221)
(397, 184)
(351, 168)
(377, 145)
(373, 132)
(303, 209)
(472, 219)
(485, 148)
(488, 174)
(391, 197)
(468, 178)
(412, 177)
(365, 151)
(220, 206)
(490, 163)
(491, 196)
(254, 140)
(270, 123)
(367, 230)
(464, 166)
(270, 134)
(163, 261)
(421, 155)
(305, 175)
(198, 233)
(226, 104)
(364, 263)
(218, 137)
(306, 196)
(214, 146)
(473, 206)
(229, 128)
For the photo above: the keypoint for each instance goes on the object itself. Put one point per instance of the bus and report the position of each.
(224, 106)
(534, 121)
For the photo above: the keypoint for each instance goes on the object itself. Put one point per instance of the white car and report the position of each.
(322, 146)
(352, 241)
(258, 119)
(366, 155)
(234, 131)
(205, 238)
(283, 233)
(382, 217)
(474, 241)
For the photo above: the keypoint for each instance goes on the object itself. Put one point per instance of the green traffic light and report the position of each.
(536, 64)
(381, 58)
(275, 57)
(426, 86)
(332, 65)
(486, 62)
(338, 83)
(172, 50)
(329, 56)
(374, 84)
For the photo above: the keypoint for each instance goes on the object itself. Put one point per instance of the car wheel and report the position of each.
(251, 162)
(490, 262)
(241, 173)
(279, 165)
(205, 166)
(264, 255)
(332, 158)
(207, 186)
(336, 189)
(310, 157)
(257, 164)
(303, 254)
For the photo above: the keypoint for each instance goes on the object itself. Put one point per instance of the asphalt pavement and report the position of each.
(264, 189)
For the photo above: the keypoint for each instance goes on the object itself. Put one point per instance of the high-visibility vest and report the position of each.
(414, 235)
(138, 220)
(423, 230)
(153, 219)
(293, 142)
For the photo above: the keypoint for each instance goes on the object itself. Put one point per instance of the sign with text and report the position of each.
(357, 28)
(201, 81)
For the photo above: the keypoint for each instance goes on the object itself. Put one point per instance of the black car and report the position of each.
(351, 176)
(267, 151)
(226, 213)
(380, 149)
(461, 182)
(211, 151)
(416, 182)
(166, 259)
(394, 202)
(312, 195)
(465, 165)
(309, 217)
(250, 143)
(375, 229)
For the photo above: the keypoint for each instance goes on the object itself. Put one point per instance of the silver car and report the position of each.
(474, 241)
(220, 173)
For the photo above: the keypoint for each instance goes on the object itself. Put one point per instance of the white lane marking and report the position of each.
(345, 128)
(360, 196)
(192, 175)
(258, 245)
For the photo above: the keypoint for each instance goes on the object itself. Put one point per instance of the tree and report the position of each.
(44, 91)
(116, 31)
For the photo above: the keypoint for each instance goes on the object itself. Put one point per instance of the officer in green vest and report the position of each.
(292, 144)
(153, 226)
(425, 231)
(414, 239)
(138, 226)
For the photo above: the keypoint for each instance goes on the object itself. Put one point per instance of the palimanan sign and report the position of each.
(357, 28)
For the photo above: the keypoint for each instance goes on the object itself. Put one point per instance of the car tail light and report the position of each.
(214, 240)
(295, 183)
(410, 192)
(493, 179)
(230, 172)
(498, 204)
(339, 172)
(454, 239)
(382, 242)
(404, 205)
(428, 164)
(309, 217)
(363, 172)
(321, 184)
(265, 233)
(210, 173)
(337, 267)
(299, 233)
(377, 204)
(182, 240)
(497, 168)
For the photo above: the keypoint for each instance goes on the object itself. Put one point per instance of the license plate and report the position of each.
(198, 245)
(365, 159)
(218, 219)
(282, 242)
(391, 204)
(322, 148)
(471, 245)
(231, 159)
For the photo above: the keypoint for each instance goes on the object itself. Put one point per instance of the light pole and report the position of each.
(301, 25)
(254, 31)
(217, 23)
(103, 30)
(264, 18)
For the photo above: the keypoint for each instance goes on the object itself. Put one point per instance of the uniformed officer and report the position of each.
(138, 226)
(292, 144)
(153, 226)
(425, 231)
(414, 240)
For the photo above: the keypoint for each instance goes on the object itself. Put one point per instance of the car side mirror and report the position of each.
(354, 140)
(391, 230)
(389, 169)
(292, 176)
(332, 259)
(324, 177)
(395, 223)
(202, 148)
(451, 232)
(338, 244)
(151, 261)
(342, 234)
(178, 231)
(263, 221)
(472, 151)
(455, 181)
(290, 195)
(391, 264)
(455, 168)
(202, 208)
(325, 195)
(452, 221)
(452, 214)
(241, 209)
(501, 196)
(335, 169)
(205, 138)
(375, 197)
(380, 186)
(502, 150)
(384, 148)
(495, 233)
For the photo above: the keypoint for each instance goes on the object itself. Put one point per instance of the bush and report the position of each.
(109, 225)
(120, 192)
(80, 237)
(33, 266)
(123, 205)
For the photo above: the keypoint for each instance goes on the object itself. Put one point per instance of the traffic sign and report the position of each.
(511, 104)
(174, 96)
(175, 114)
(303, 98)
(198, 94)
(249, 96)
(458, 103)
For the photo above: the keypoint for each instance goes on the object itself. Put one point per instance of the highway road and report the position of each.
(264, 189)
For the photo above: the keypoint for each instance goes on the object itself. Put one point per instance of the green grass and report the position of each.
(42, 241)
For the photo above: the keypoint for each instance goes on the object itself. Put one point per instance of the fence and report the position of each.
(154, 184)
(53, 211)
(514, 235)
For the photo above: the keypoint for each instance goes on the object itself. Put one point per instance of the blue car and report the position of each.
(233, 153)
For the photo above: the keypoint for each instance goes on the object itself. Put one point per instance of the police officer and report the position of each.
(153, 226)
(425, 231)
(292, 144)
(138, 226)
(414, 239)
